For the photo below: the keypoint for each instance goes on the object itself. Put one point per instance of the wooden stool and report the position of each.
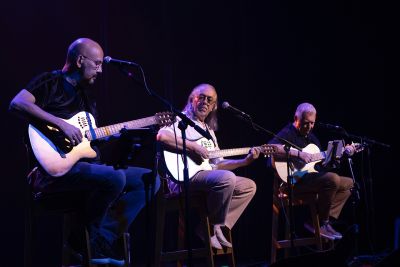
(169, 202)
(281, 201)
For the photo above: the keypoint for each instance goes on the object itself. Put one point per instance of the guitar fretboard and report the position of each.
(228, 152)
(105, 131)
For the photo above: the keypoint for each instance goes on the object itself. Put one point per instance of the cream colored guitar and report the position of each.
(174, 161)
(300, 168)
(56, 154)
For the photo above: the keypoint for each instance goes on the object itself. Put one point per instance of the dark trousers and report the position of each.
(114, 197)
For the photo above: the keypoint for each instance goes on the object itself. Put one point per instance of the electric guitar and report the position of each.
(299, 168)
(57, 155)
(174, 161)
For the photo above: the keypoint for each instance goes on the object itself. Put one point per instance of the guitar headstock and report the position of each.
(165, 118)
(358, 147)
(268, 149)
(353, 148)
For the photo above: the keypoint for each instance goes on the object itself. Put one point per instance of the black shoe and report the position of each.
(76, 242)
(118, 248)
(71, 257)
(102, 253)
(73, 250)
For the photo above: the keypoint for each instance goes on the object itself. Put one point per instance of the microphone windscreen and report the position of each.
(107, 59)
(225, 105)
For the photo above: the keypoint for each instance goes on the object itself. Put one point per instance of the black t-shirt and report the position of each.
(55, 95)
(290, 133)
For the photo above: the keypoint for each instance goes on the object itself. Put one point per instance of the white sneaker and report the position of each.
(215, 243)
(323, 231)
(334, 233)
(203, 235)
(221, 238)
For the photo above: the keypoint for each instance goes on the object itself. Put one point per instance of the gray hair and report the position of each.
(212, 119)
(304, 108)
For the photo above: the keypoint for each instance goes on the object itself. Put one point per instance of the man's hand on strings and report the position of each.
(254, 153)
(72, 133)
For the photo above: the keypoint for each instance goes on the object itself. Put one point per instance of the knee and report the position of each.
(332, 180)
(347, 183)
(117, 181)
(252, 186)
(227, 179)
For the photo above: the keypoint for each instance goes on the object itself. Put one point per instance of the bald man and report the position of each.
(53, 97)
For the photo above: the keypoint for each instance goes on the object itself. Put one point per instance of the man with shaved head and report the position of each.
(114, 197)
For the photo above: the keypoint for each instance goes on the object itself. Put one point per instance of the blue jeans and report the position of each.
(114, 197)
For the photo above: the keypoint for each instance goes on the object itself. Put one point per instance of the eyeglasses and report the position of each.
(97, 63)
(209, 99)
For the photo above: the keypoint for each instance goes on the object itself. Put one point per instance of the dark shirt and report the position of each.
(290, 133)
(55, 95)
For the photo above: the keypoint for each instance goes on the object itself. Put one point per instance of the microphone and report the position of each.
(329, 126)
(110, 60)
(226, 105)
(348, 151)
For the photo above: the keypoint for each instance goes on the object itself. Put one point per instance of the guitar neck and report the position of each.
(228, 152)
(105, 131)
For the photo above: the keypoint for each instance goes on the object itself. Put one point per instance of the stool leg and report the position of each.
(287, 250)
(127, 250)
(88, 251)
(29, 225)
(228, 234)
(158, 248)
(206, 225)
(315, 219)
(274, 232)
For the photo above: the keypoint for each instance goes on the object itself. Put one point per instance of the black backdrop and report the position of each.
(264, 57)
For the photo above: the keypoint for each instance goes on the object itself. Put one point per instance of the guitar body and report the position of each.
(174, 162)
(298, 168)
(57, 158)
(56, 154)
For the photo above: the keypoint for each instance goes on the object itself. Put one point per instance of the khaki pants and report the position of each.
(227, 195)
(333, 191)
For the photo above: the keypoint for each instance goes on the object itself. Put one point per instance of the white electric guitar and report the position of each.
(174, 161)
(300, 168)
(57, 155)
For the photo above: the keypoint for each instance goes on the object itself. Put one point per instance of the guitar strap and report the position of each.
(88, 107)
(213, 140)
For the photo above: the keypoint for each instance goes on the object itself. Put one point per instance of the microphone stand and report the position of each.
(182, 125)
(355, 198)
(287, 145)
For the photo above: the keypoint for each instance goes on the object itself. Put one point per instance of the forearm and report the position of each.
(280, 153)
(231, 164)
(32, 110)
(24, 104)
